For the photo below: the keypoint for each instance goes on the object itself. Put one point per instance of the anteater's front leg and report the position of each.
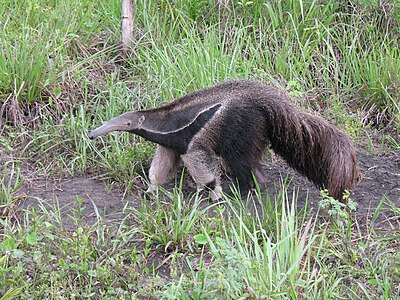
(204, 170)
(164, 164)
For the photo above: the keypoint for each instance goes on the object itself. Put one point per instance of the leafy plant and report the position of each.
(10, 182)
(337, 209)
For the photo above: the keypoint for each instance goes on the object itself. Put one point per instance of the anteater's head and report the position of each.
(126, 122)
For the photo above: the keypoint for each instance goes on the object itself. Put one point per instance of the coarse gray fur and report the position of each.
(234, 122)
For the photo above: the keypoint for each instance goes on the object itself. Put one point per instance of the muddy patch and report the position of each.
(77, 198)
(380, 180)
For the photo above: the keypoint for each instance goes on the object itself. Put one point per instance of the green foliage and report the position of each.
(40, 258)
(64, 56)
(37, 38)
(213, 251)
(336, 208)
(173, 217)
(10, 182)
(298, 258)
(321, 45)
(62, 74)
(252, 263)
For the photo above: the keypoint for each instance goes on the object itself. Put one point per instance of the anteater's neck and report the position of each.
(180, 134)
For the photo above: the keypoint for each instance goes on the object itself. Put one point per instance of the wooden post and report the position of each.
(127, 24)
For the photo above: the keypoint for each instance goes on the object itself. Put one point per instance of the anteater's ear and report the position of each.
(140, 121)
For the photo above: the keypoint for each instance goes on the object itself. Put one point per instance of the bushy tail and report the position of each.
(317, 149)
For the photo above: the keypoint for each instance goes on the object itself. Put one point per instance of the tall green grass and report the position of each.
(177, 247)
(183, 45)
(10, 182)
(38, 41)
(61, 70)
(60, 61)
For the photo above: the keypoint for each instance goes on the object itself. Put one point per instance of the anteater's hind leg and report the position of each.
(204, 170)
(164, 164)
(246, 168)
(259, 176)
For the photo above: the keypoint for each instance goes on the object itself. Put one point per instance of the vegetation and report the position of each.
(62, 73)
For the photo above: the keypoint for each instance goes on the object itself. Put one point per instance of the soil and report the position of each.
(380, 180)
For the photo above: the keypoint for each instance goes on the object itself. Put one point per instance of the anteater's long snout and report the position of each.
(120, 123)
(91, 135)
(103, 129)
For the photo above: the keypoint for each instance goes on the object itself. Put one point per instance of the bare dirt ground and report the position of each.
(380, 179)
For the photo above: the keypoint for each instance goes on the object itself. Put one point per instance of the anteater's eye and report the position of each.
(128, 123)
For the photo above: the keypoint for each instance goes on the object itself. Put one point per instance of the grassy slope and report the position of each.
(61, 73)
